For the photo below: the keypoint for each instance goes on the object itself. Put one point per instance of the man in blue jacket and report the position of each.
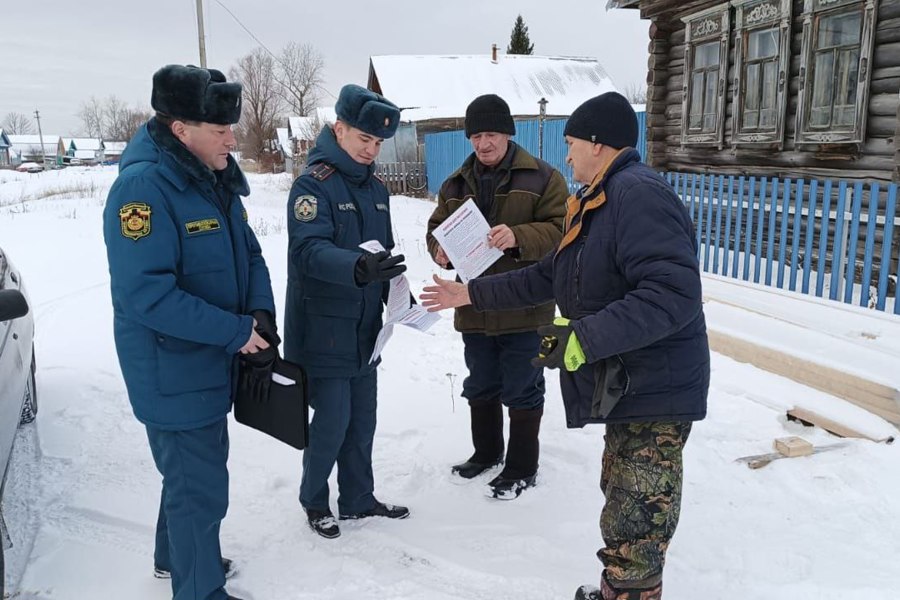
(334, 303)
(191, 293)
(631, 346)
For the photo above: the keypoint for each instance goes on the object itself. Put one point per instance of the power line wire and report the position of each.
(263, 46)
(250, 33)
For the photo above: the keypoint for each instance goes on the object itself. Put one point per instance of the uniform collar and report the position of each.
(327, 150)
(181, 165)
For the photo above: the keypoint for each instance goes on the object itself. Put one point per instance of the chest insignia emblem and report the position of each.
(202, 225)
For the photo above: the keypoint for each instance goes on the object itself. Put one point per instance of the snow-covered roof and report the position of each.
(86, 144)
(31, 144)
(611, 4)
(300, 127)
(33, 140)
(114, 147)
(283, 140)
(430, 87)
(86, 154)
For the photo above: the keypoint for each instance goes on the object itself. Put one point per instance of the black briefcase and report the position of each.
(285, 414)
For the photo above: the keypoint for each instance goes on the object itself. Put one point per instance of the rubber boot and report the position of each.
(522, 454)
(487, 437)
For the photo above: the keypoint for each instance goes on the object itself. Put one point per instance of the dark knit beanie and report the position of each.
(489, 113)
(195, 94)
(367, 111)
(606, 119)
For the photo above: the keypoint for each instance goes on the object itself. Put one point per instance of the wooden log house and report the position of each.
(778, 88)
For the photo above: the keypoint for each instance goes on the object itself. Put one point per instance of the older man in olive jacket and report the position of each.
(523, 199)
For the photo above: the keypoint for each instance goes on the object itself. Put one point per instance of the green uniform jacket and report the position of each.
(531, 200)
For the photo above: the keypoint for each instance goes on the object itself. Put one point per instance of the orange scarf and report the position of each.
(575, 210)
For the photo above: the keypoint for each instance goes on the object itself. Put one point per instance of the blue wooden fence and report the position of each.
(444, 152)
(831, 239)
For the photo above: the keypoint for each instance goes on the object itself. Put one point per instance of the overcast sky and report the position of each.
(58, 53)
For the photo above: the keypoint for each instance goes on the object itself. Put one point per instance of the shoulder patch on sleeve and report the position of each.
(306, 208)
(135, 220)
(322, 171)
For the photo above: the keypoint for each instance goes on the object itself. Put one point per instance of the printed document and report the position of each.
(464, 238)
(399, 309)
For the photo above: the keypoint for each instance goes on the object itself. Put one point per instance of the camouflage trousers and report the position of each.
(642, 474)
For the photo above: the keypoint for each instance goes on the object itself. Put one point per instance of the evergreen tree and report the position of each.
(519, 43)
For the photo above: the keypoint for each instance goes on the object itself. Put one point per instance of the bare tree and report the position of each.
(120, 121)
(312, 127)
(636, 93)
(92, 119)
(111, 119)
(299, 75)
(262, 103)
(17, 124)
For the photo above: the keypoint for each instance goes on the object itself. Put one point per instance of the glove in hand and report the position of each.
(266, 327)
(371, 268)
(256, 373)
(560, 347)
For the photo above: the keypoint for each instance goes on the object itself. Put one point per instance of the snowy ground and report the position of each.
(82, 498)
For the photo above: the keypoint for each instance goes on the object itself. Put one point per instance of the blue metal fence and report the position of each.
(444, 152)
(829, 239)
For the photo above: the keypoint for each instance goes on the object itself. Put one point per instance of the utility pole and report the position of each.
(37, 116)
(543, 104)
(201, 33)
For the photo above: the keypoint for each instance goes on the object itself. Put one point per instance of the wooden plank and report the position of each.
(874, 397)
(810, 417)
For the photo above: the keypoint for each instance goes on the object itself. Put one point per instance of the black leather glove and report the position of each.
(378, 267)
(266, 327)
(256, 373)
(554, 339)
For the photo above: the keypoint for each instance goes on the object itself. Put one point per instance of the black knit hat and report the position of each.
(489, 113)
(605, 119)
(195, 94)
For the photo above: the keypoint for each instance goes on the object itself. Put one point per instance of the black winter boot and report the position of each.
(487, 437)
(607, 592)
(522, 454)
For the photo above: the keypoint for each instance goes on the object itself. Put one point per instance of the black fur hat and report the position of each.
(605, 119)
(367, 111)
(195, 94)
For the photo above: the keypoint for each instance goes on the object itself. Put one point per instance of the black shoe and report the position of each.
(502, 488)
(323, 523)
(380, 510)
(472, 468)
(588, 592)
(227, 565)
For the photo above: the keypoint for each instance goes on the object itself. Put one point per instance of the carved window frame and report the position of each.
(753, 16)
(813, 13)
(701, 28)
